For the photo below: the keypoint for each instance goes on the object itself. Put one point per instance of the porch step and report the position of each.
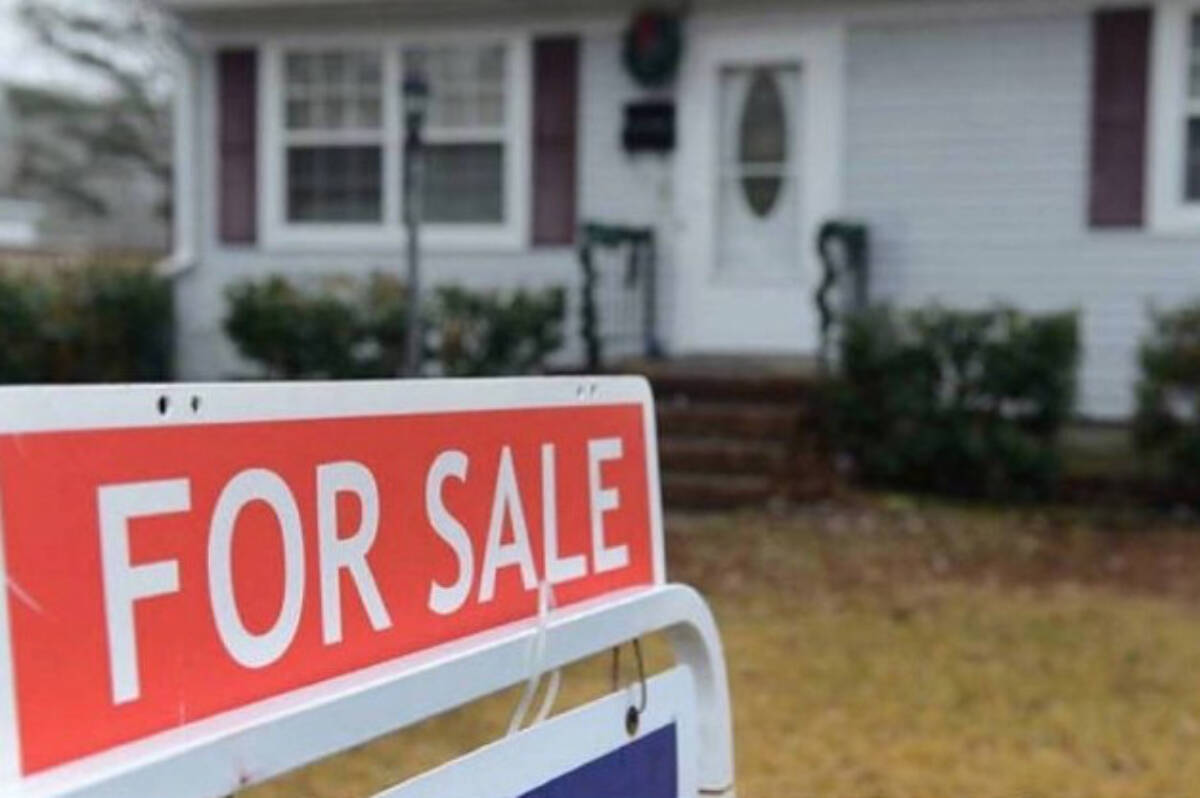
(743, 421)
(735, 434)
(694, 387)
(723, 456)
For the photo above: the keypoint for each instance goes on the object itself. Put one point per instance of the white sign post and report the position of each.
(209, 585)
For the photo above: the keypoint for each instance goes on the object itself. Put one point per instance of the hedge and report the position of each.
(967, 403)
(1167, 419)
(356, 329)
(95, 323)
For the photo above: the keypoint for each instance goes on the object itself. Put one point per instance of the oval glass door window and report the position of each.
(762, 142)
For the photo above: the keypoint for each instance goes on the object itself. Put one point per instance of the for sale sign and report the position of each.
(171, 558)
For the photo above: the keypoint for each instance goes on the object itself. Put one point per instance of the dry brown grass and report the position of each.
(884, 649)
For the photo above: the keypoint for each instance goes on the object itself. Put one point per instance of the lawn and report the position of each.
(883, 648)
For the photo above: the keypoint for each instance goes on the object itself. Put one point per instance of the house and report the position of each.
(19, 223)
(1044, 153)
(38, 221)
(18, 218)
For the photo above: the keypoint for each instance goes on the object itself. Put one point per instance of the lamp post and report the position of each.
(416, 103)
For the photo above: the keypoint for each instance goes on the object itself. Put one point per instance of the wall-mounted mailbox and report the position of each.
(649, 127)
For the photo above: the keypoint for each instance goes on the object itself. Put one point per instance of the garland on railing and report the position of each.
(849, 240)
(640, 241)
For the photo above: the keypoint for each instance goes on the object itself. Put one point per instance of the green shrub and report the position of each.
(1167, 421)
(25, 345)
(353, 329)
(486, 334)
(96, 323)
(294, 334)
(965, 403)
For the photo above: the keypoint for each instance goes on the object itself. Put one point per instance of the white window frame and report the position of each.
(280, 233)
(1170, 107)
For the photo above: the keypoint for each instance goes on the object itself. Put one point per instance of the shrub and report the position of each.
(485, 334)
(96, 323)
(25, 345)
(356, 329)
(966, 403)
(1167, 420)
(294, 334)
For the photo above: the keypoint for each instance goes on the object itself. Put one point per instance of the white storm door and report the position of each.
(758, 196)
(758, 170)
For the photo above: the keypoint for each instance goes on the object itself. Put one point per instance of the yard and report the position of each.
(884, 648)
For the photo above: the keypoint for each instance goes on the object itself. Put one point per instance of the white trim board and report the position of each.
(1167, 210)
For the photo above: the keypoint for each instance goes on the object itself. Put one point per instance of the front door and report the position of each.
(758, 170)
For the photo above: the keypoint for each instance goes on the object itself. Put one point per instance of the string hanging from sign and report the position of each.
(537, 659)
(633, 716)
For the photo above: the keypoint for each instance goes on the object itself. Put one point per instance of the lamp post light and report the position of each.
(416, 104)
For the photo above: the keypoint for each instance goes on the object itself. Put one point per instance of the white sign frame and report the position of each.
(569, 741)
(234, 750)
(222, 754)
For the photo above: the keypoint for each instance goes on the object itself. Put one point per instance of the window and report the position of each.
(762, 142)
(335, 140)
(465, 132)
(1175, 122)
(1191, 161)
(334, 136)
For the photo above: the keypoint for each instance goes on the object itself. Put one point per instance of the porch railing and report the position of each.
(619, 315)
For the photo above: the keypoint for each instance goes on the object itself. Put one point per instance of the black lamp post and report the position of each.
(416, 104)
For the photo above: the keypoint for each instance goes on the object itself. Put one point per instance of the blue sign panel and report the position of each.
(646, 768)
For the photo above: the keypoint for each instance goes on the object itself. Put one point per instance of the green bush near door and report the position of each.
(966, 403)
(1167, 422)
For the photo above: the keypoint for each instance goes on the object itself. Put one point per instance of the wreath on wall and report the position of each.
(653, 45)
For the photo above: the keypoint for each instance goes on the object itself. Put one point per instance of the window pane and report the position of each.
(466, 84)
(334, 184)
(1191, 188)
(464, 183)
(299, 68)
(333, 89)
(762, 141)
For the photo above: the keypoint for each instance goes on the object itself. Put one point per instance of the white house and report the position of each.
(1040, 152)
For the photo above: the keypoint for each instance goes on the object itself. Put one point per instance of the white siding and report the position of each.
(967, 154)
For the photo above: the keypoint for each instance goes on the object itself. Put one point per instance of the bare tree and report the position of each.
(67, 138)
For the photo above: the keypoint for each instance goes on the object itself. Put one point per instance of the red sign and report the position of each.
(162, 574)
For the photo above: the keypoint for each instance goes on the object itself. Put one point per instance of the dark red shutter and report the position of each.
(1120, 83)
(555, 123)
(237, 110)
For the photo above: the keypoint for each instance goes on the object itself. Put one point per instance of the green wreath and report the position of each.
(653, 45)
